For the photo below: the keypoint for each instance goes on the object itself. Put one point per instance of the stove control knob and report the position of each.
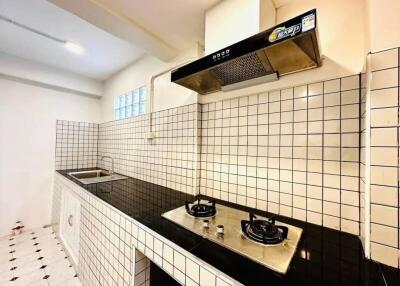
(206, 223)
(220, 229)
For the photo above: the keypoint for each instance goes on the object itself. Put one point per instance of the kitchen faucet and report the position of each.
(111, 171)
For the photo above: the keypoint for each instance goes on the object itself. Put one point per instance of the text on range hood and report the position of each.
(289, 47)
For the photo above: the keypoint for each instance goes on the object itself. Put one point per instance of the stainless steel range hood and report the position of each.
(289, 47)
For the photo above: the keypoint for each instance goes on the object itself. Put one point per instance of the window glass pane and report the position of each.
(136, 95)
(129, 111)
(128, 98)
(142, 108)
(122, 113)
(135, 110)
(116, 102)
(142, 93)
(122, 102)
(116, 114)
(131, 103)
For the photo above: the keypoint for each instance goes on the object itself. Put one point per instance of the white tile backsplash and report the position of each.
(170, 159)
(384, 152)
(287, 151)
(76, 145)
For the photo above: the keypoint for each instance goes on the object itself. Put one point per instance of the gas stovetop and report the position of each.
(266, 241)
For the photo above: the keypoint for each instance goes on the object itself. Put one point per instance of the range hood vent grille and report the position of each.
(232, 71)
(287, 48)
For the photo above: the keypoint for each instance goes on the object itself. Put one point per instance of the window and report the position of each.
(132, 103)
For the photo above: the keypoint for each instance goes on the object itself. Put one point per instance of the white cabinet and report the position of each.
(70, 222)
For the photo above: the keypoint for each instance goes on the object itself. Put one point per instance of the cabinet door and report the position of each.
(69, 225)
(76, 211)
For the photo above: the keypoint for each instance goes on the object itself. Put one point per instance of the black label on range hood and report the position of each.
(284, 31)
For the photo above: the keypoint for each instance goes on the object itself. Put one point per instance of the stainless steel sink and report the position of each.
(95, 176)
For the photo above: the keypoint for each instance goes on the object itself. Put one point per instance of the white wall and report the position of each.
(27, 154)
(234, 20)
(384, 24)
(166, 94)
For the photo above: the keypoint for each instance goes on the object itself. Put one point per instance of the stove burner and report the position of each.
(264, 231)
(201, 209)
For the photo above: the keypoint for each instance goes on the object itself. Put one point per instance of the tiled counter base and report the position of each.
(110, 241)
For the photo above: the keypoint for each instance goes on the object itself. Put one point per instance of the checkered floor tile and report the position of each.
(35, 257)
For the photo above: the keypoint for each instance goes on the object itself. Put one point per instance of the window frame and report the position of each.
(130, 104)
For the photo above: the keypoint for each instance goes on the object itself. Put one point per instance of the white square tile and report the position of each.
(384, 59)
(192, 270)
(315, 88)
(384, 137)
(384, 215)
(179, 261)
(331, 222)
(332, 86)
(384, 195)
(384, 235)
(349, 226)
(384, 78)
(179, 276)
(387, 97)
(385, 254)
(350, 82)
(206, 277)
(168, 254)
(384, 156)
(384, 176)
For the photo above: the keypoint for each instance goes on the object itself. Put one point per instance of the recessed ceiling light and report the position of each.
(74, 47)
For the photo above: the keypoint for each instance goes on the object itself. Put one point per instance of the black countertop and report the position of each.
(324, 256)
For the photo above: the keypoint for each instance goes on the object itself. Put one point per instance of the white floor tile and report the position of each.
(19, 261)
(20, 237)
(4, 251)
(49, 245)
(4, 238)
(41, 282)
(71, 282)
(51, 257)
(30, 278)
(27, 251)
(42, 231)
(54, 258)
(46, 238)
(27, 268)
(60, 274)
(58, 266)
(5, 266)
(5, 258)
(6, 276)
(37, 259)
(22, 244)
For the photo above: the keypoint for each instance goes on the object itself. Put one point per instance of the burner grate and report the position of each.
(264, 231)
(201, 209)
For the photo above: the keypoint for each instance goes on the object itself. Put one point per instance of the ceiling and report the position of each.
(179, 23)
(113, 32)
(104, 54)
